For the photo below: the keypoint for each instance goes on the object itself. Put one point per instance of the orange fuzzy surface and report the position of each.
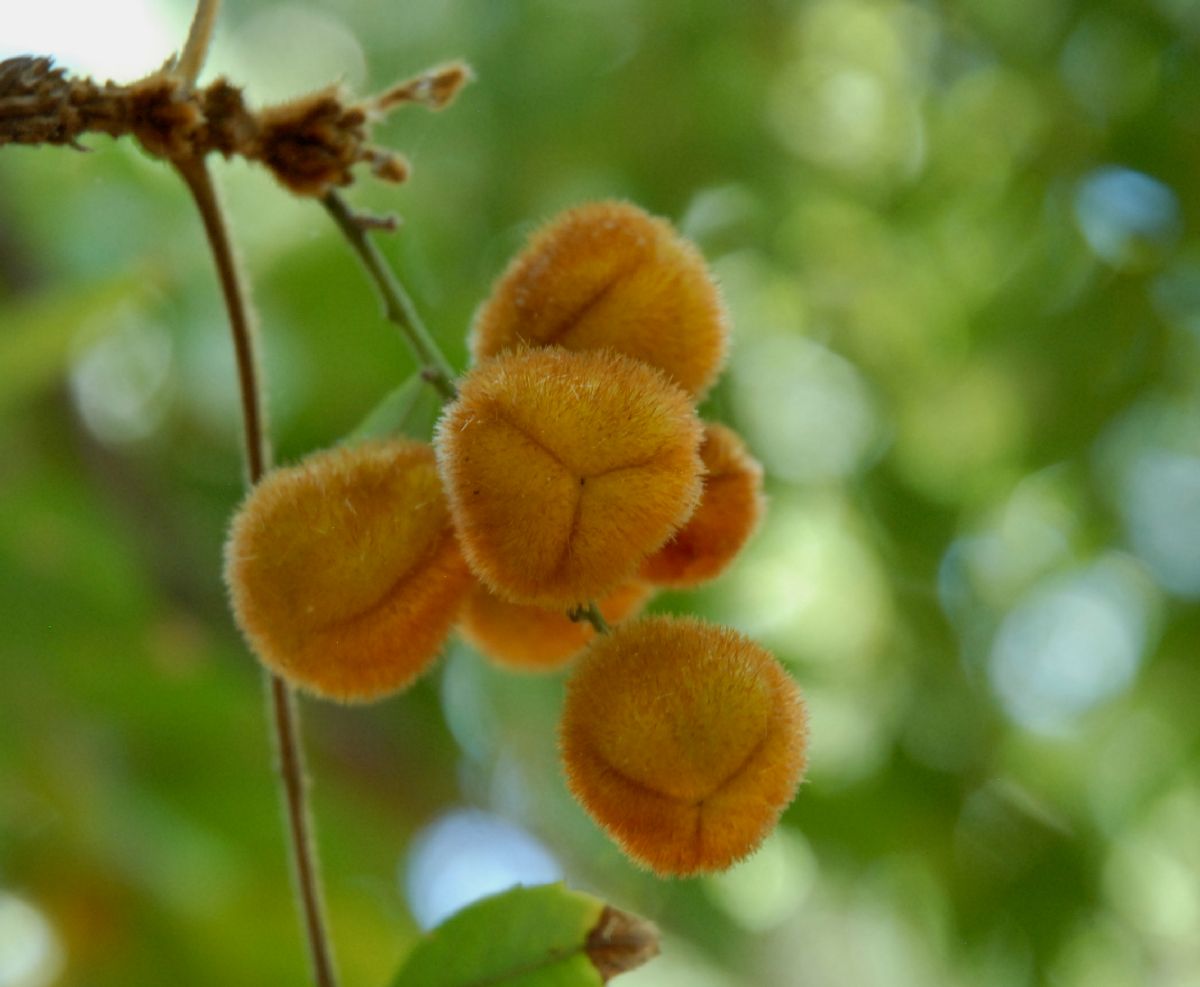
(565, 470)
(527, 638)
(343, 571)
(684, 740)
(608, 274)
(731, 507)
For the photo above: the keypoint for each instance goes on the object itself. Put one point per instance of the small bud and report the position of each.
(343, 570)
(533, 639)
(565, 470)
(730, 508)
(608, 274)
(685, 741)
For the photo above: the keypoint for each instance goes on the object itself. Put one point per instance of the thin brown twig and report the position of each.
(397, 306)
(195, 49)
(195, 173)
(292, 772)
(284, 714)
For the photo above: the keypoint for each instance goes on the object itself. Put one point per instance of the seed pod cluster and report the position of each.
(571, 475)
(576, 470)
(573, 458)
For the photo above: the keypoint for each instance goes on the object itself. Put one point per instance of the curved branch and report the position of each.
(284, 717)
(258, 453)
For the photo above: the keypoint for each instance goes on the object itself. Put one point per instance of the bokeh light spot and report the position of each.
(807, 411)
(120, 382)
(30, 952)
(465, 704)
(1128, 218)
(117, 39)
(1155, 888)
(1160, 500)
(850, 734)
(848, 102)
(1027, 536)
(811, 585)
(286, 49)
(960, 433)
(1148, 462)
(763, 891)
(466, 855)
(1071, 644)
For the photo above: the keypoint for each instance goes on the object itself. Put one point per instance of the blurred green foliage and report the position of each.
(959, 243)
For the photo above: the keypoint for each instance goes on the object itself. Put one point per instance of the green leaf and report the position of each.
(410, 409)
(546, 936)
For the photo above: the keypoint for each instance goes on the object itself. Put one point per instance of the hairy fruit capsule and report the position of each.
(343, 570)
(731, 507)
(565, 470)
(609, 275)
(684, 740)
(533, 639)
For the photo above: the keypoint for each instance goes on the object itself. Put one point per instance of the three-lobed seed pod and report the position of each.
(343, 570)
(730, 509)
(564, 470)
(607, 275)
(684, 740)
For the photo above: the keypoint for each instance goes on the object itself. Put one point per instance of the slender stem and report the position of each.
(258, 454)
(590, 612)
(195, 49)
(284, 715)
(397, 306)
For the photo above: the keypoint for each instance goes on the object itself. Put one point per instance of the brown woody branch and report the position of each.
(310, 143)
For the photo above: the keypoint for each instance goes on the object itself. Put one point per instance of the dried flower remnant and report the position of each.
(521, 637)
(621, 942)
(564, 470)
(731, 507)
(310, 144)
(343, 570)
(609, 275)
(685, 741)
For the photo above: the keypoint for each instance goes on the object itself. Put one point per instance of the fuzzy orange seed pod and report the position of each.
(684, 740)
(608, 274)
(533, 639)
(343, 570)
(565, 470)
(731, 507)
